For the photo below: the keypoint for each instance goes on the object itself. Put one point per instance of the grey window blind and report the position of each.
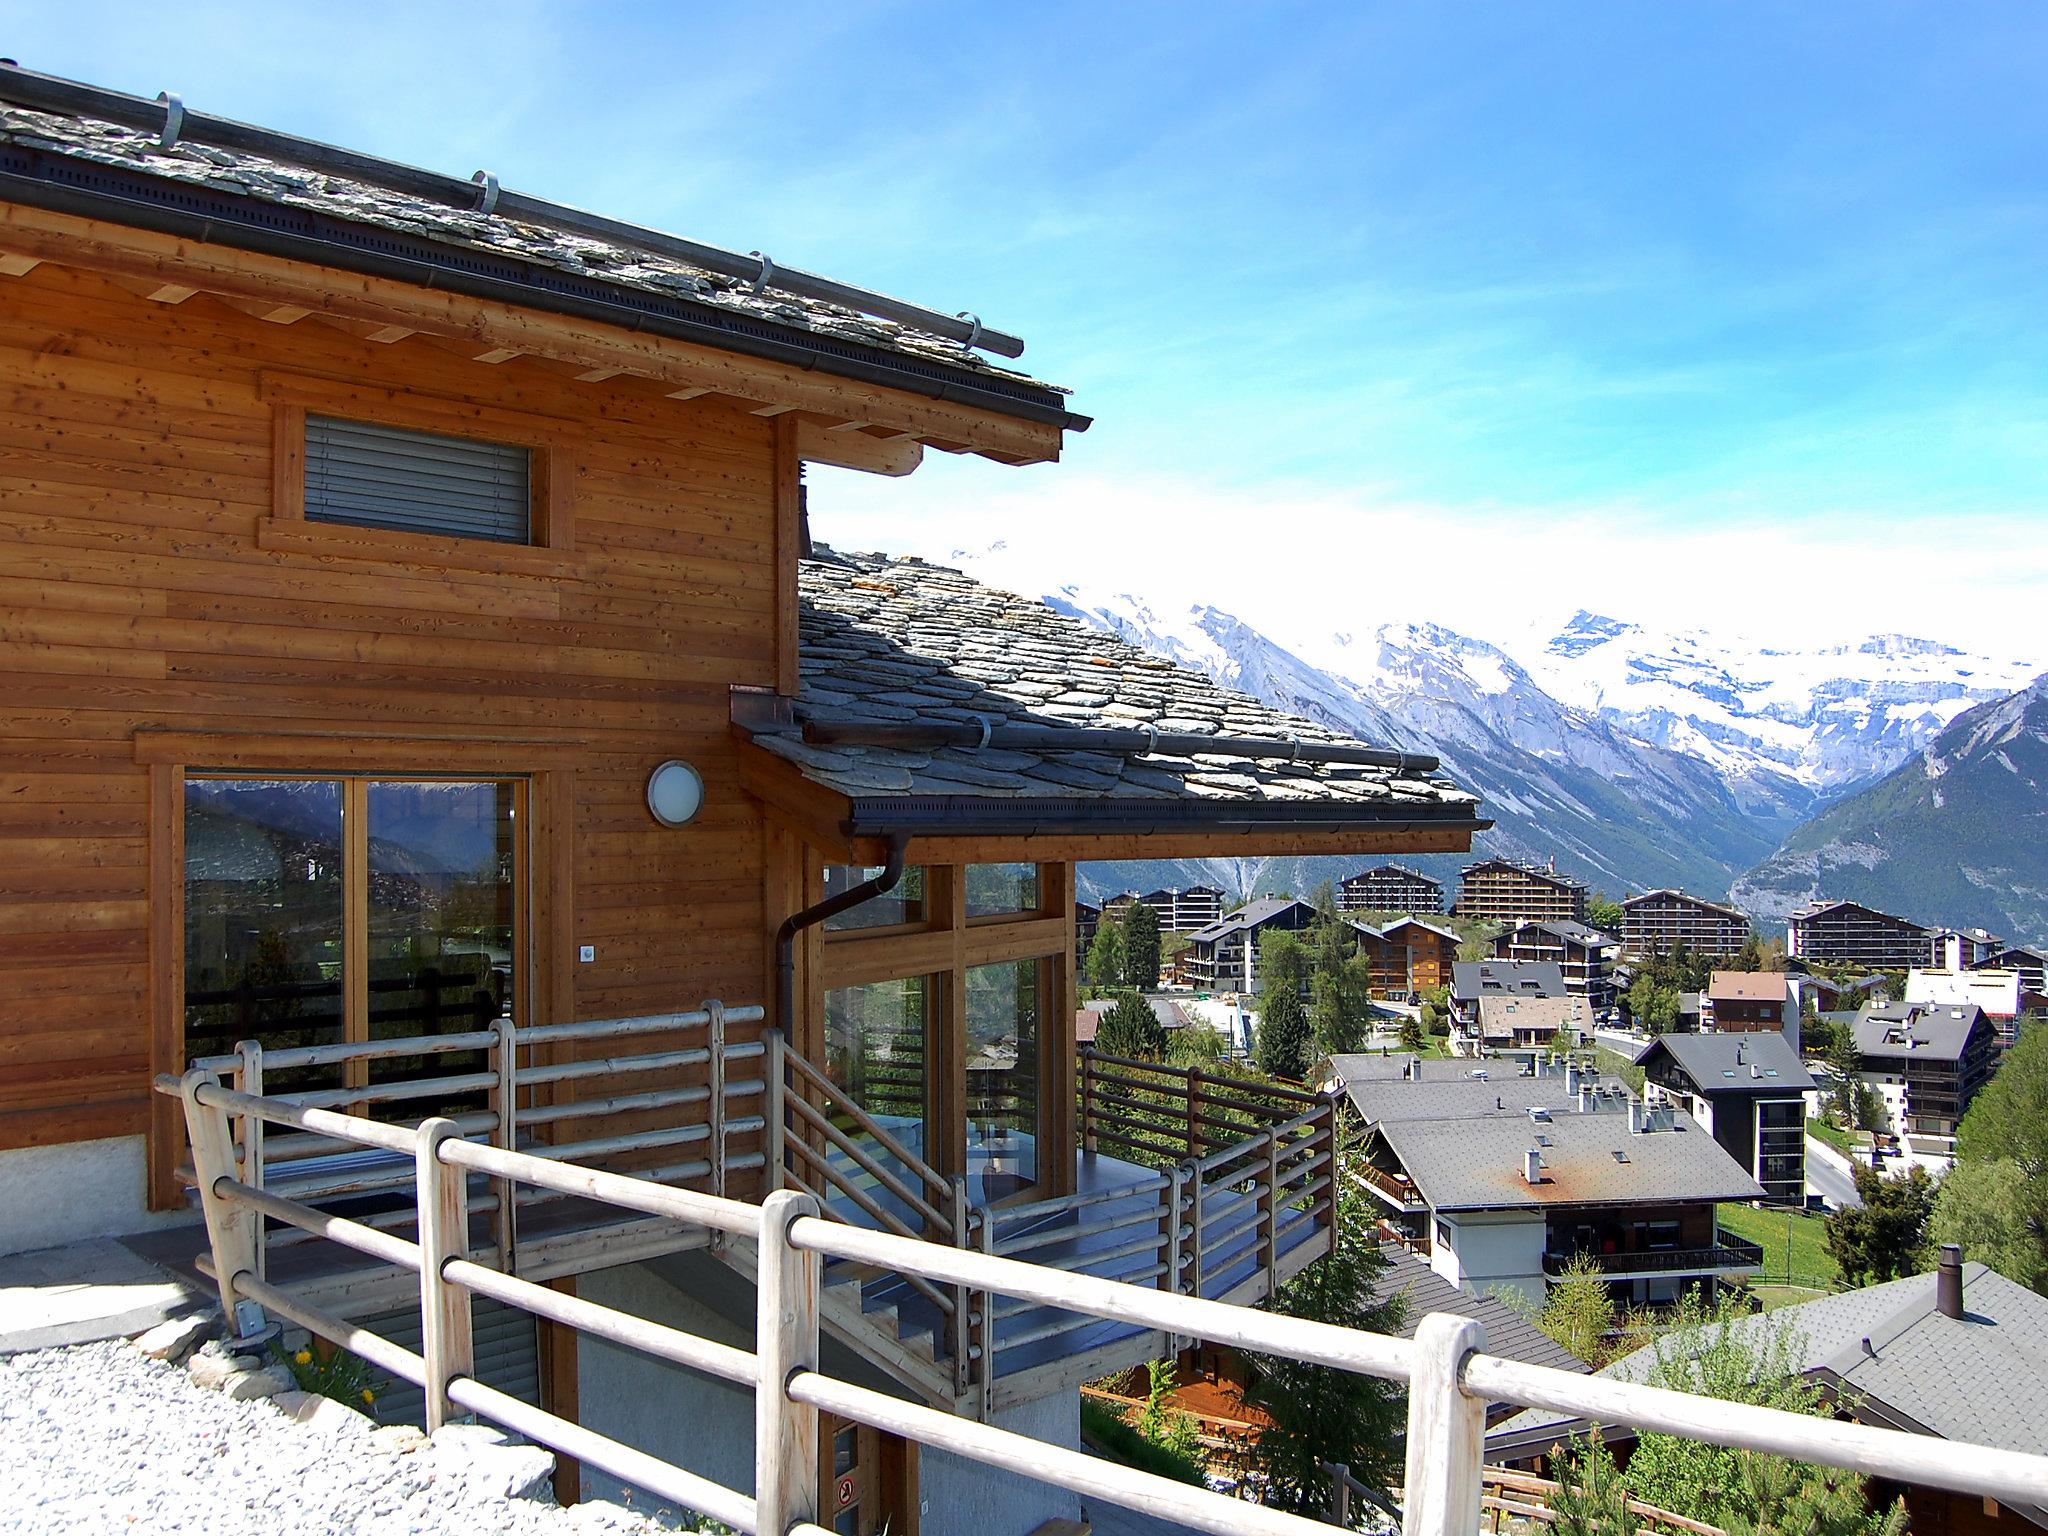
(417, 482)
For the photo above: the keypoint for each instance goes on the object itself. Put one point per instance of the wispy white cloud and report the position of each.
(1302, 562)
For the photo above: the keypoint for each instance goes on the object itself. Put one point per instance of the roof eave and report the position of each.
(218, 218)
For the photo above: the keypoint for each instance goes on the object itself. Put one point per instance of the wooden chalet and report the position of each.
(420, 697)
(1408, 956)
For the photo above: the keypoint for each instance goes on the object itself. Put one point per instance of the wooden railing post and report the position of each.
(447, 1345)
(775, 1084)
(504, 1228)
(1192, 1176)
(715, 1049)
(1195, 1146)
(1340, 1494)
(1446, 1431)
(234, 1231)
(785, 1432)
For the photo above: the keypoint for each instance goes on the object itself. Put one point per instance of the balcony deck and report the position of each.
(1727, 1253)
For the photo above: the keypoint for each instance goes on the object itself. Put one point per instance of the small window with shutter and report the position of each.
(370, 475)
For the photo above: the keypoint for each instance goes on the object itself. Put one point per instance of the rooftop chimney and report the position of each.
(1948, 1281)
(1635, 1117)
(1532, 1166)
(1585, 1099)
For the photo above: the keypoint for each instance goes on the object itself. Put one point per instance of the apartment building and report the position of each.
(1390, 888)
(1498, 891)
(1584, 956)
(1849, 933)
(1748, 1092)
(1663, 921)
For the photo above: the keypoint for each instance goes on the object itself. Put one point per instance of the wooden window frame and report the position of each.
(544, 876)
(550, 440)
(946, 947)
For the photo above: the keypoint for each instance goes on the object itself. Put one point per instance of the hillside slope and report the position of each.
(1957, 834)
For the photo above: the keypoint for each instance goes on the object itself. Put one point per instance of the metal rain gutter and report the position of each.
(785, 936)
(173, 122)
(1036, 816)
(1126, 740)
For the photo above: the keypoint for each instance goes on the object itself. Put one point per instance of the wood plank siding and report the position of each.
(162, 609)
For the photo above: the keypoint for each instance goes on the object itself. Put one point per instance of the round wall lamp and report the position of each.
(675, 793)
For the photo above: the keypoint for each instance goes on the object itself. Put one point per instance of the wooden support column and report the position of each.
(234, 1231)
(785, 1432)
(1446, 1431)
(446, 1340)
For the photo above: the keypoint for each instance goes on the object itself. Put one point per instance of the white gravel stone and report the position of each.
(100, 1438)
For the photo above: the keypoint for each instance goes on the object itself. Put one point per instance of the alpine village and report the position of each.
(531, 976)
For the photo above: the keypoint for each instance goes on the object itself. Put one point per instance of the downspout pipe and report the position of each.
(811, 916)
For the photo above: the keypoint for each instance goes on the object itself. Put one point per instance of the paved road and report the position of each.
(1823, 1178)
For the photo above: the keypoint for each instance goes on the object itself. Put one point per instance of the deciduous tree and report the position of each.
(1994, 1201)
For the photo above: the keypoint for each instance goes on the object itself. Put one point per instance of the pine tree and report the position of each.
(1130, 1028)
(1141, 947)
(1886, 1236)
(1320, 1414)
(1282, 1046)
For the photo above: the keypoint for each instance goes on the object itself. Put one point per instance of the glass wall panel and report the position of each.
(877, 1054)
(904, 904)
(998, 889)
(1003, 1034)
(440, 921)
(263, 914)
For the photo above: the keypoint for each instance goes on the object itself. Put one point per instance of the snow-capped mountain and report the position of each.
(1825, 717)
(1559, 782)
(1634, 757)
(1958, 833)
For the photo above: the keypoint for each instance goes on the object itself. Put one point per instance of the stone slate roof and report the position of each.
(899, 641)
(1981, 1378)
(356, 202)
(1723, 1063)
(1938, 1031)
(1508, 1333)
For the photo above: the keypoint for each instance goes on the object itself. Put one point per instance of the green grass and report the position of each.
(1119, 1441)
(1809, 1264)
(1844, 1142)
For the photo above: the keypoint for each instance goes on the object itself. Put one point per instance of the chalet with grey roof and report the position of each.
(439, 712)
(1960, 1353)
(1500, 1180)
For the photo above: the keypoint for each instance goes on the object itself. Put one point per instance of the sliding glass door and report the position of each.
(322, 910)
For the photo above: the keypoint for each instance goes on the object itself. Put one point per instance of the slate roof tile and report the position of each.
(900, 640)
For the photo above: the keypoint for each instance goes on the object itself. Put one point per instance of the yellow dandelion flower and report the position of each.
(369, 1396)
(304, 1357)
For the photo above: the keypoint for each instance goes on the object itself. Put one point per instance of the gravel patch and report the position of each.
(100, 1439)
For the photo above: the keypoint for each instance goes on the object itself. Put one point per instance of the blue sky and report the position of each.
(1631, 305)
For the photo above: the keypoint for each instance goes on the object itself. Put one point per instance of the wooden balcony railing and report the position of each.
(1450, 1378)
